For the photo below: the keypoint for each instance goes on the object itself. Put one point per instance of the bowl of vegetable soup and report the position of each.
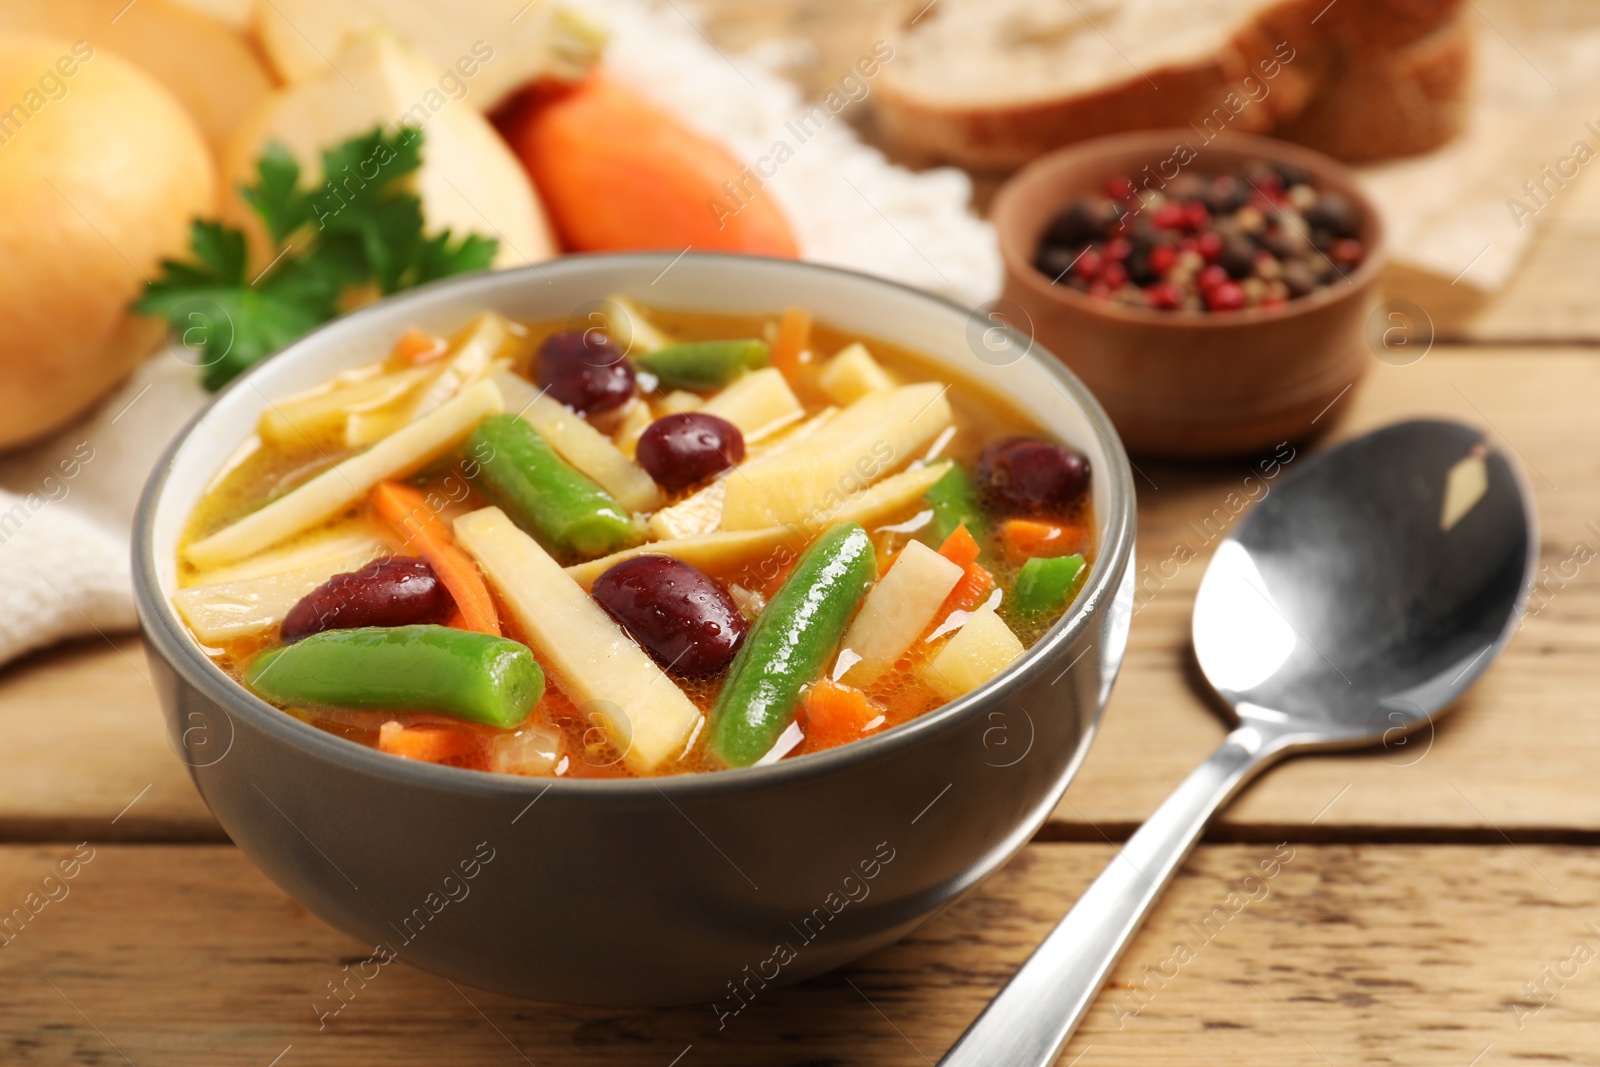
(637, 629)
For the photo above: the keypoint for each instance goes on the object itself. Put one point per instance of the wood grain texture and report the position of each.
(1516, 754)
(1347, 955)
(86, 755)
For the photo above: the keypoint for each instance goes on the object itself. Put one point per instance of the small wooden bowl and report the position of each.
(1191, 384)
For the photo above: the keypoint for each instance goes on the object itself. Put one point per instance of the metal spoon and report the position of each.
(1365, 593)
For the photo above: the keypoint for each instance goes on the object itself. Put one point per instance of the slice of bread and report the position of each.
(1396, 102)
(991, 84)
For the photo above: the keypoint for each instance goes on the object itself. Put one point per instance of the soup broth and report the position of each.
(1014, 575)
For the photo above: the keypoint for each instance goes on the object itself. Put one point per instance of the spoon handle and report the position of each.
(1037, 1011)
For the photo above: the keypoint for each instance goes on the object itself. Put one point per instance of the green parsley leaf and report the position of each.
(362, 226)
(438, 258)
(276, 195)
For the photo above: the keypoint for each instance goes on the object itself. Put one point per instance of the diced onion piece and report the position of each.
(759, 403)
(852, 374)
(750, 602)
(402, 452)
(897, 611)
(646, 715)
(530, 750)
(579, 443)
(855, 448)
(226, 611)
(981, 649)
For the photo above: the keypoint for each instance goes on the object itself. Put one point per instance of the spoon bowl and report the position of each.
(1371, 589)
(1364, 595)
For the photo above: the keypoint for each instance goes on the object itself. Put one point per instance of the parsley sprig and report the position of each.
(360, 228)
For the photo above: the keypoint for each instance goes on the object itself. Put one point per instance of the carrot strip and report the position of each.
(970, 591)
(417, 346)
(794, 337)
(960, 548)
(408, 512)
(836, 714)
(430, 744)
(1025, 539)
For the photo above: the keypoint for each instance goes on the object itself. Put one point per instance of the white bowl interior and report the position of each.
(854, 303)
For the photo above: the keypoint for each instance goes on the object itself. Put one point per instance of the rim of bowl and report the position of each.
(1045, 170)
(172, 641)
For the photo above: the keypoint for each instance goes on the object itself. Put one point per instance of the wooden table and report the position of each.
(1437, 903)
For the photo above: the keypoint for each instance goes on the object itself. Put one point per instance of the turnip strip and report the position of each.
(600, 668)
(759, 403)
(352, 405)
(465, 363)
(864, 442)
(402, 452)
(897, 610)
(226, 611)
(701, 513)
(724, 549)
(712, 551)
(580, 444)
(336, 542)
(893, 494)
(629, 327)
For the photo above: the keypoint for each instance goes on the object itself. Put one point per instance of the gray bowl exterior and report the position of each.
(704, 888)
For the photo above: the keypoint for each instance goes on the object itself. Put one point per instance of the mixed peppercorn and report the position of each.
(1204, 242)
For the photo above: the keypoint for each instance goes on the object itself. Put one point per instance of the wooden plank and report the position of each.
(1348, 954)
(1516, 755)
(85, 754)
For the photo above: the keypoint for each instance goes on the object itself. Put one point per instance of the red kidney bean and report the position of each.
(397, 591)
(1024, 474)
(585, 371)
(681, 615)
(689, 447)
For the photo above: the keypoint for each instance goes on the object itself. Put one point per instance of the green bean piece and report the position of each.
(704, 364)
(513, 465)
(1044, 584)
(955, 503)
(790, 644)
(437, 669)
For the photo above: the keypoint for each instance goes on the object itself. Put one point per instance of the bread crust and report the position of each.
(1394, 103)
(1324, 40)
